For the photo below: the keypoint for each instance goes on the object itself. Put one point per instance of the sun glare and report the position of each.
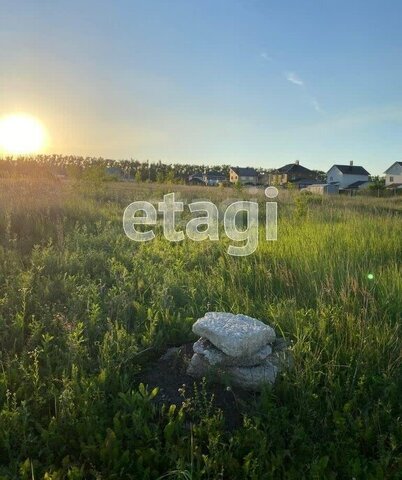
(21, 134)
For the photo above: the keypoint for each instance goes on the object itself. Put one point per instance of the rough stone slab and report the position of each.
(253, 378)
(216, 357)
(235, 335)
(248, 378)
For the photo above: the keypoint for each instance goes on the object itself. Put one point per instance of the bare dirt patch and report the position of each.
(168, 373)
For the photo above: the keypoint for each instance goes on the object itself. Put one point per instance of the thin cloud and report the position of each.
(265, 56)
(295, 79)
(292, 77)
(316, 105)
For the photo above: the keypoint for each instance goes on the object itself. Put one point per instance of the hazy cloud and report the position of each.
(265, 56)
(293, 78)
(316, 105)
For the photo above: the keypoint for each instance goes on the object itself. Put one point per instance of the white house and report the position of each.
(347, 176)
(393, 175)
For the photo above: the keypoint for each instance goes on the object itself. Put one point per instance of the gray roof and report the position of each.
(356, 184)
(293, 168)
(304, 180)
(214, 175)
(396, 163)
(351, 169)
(245, 171)
(195, 175)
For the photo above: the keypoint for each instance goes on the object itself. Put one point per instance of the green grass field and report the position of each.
(80, 304)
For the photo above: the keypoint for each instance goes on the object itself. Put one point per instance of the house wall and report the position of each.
(323, 189)
(251, 179)
(364, 186)
(278, 179)
(233, 177)
(213, 181)
(284, 178)
(294, 176)
(394, 175)
(344, 180)
(390, 179)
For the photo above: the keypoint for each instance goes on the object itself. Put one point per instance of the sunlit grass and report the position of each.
(79, 302)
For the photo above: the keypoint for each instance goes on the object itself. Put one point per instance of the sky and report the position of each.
(250, 83)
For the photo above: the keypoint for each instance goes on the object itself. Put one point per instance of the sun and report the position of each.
(21, 134)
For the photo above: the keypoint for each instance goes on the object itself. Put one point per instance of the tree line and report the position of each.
(79, 167)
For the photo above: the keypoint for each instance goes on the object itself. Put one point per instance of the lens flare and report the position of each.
(21, 134)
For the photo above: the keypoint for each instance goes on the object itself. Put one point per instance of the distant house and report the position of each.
(323, 189)
(393, 176)
(303, 182)
(243, 175)
(206, 178)
(263, 179)
(196, 179)
(213, 178)
(294, 174)
(350, 177)
(360, 185)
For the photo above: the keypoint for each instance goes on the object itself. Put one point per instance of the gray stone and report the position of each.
(253, 378)
(235, 335)
(217, 357)
(248, 378)
(198, 366)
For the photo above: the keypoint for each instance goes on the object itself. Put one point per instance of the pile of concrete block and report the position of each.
(236, 349)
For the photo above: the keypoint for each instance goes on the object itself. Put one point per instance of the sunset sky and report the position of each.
(254, 82)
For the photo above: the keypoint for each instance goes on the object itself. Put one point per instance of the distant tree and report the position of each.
(377, 183)
(302, 206)
(138, 176)
(320, 175)
(170, 177)
(74, 171)
(160, 177)
(238, 186)
(95, 174)
(291, 186)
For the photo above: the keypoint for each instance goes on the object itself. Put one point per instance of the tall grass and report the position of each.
(80, 303)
